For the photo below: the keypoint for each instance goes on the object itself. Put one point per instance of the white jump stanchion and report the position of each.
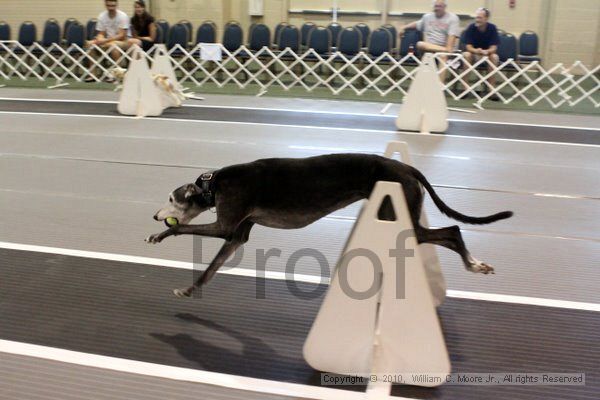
(140, 96)
(437, 283)
(424, 108)
(379, 316)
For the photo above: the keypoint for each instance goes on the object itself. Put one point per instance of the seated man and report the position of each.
(440, 28)
(482, 40)
(112, 29)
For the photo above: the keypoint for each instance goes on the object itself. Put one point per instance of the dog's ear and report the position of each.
(191, 190)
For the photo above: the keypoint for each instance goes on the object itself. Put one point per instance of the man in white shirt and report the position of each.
(440, 30)
(112, 27)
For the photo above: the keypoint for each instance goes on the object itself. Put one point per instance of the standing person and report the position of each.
(143, 27)
(482, 40)
(112, 29)
(440, 28)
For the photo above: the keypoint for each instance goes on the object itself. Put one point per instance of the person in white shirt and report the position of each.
(440, 30)
(112, 27)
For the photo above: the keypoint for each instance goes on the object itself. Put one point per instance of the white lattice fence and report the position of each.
(266, 69)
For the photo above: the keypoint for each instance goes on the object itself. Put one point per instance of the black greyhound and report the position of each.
(291, 193)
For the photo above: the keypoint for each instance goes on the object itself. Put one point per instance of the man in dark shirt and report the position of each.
(482, 40)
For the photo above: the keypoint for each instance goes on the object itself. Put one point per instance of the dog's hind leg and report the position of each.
(451, 238)
(239, 237)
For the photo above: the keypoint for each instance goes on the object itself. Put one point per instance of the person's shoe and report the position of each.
(495, 97)
(89, 79)
(110, 79)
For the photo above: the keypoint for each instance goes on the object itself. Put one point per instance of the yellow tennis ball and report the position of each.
(171, 221)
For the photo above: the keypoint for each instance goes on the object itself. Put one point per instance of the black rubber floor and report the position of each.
(127, 311)
(495, 130)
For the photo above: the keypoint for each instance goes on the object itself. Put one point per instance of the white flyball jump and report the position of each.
(148, 92)
(379, 317)
(424, 108)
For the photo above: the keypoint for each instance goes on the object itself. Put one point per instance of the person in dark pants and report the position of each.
(482, 40)
(143, 28)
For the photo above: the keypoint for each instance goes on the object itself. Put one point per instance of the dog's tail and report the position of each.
(453, 213)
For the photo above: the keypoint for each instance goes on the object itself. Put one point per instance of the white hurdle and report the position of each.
(424, 108)
(148, 92)
(378, 318)
(140, 96)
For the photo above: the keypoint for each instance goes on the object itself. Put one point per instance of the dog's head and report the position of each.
(185, 203)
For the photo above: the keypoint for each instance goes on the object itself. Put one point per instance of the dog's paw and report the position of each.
(182, 293)
(153, 239)
(477, 266)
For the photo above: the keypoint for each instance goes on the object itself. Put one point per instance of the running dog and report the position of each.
(289, 193)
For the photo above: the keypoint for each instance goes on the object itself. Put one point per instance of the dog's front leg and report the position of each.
(224, 253)
(213, 230)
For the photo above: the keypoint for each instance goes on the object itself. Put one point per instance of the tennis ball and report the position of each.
(171, 221)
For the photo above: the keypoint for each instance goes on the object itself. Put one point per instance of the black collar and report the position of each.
(206, 182)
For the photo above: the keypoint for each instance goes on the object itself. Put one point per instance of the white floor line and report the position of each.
(319, 112)
(296, 277)
(176, 373)
(372, 131)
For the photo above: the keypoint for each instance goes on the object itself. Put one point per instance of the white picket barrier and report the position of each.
(387, 74)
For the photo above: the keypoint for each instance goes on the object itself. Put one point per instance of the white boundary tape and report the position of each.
(503, 298)
(176, 373)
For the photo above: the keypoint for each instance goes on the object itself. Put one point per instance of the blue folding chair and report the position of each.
(233, 36)
(319, 39)
(304, 31)
(164, 25)
(90, 28)
(259, 37)
(75, 35)
(206, 33)
(528, 47)
(27, 36)
(394, 32)
(508, 47)
(335, 29)
(68, 23)
(289, 37)
(51, 34)
(365, 32)
(160, 35)
(276, 33)
(27, 33)
(410, 39)
(380, 42)
(349, 41)
(189, 27)
(178, 35)
(4, 31)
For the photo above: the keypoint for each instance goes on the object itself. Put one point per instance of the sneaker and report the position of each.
(89, 79)
(495, 97)
(110, 79)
